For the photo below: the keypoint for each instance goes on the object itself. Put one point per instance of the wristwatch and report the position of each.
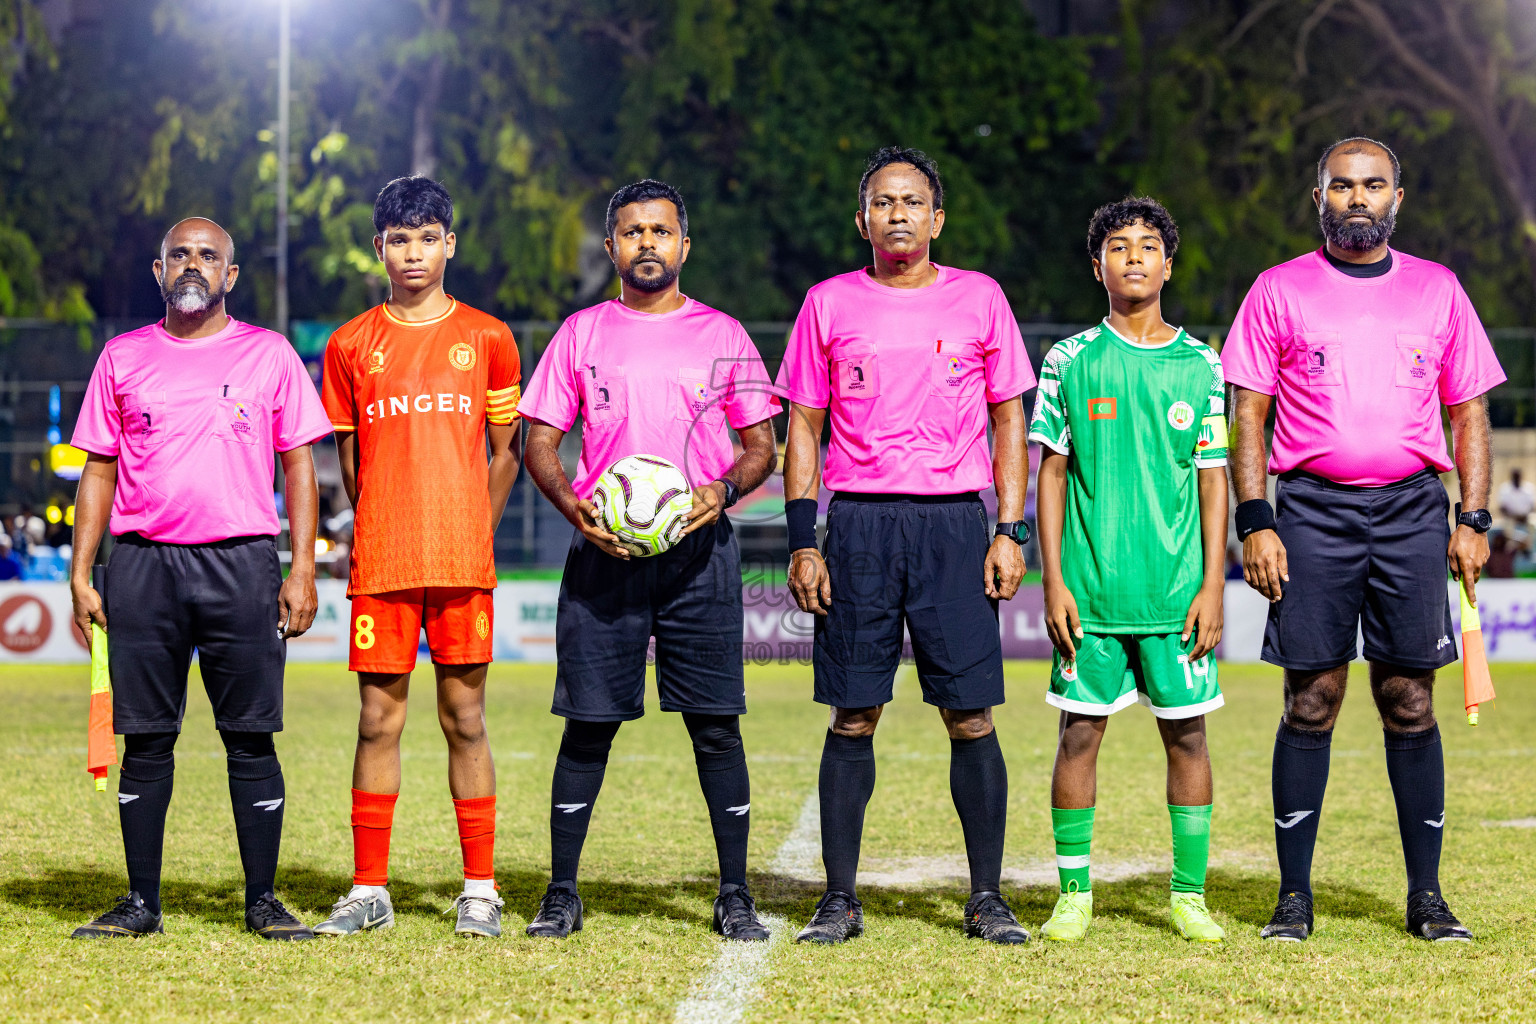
(1017, 531)
(1478, 519)
(732, 492)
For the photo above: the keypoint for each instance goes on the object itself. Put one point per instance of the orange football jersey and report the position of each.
(419, 396)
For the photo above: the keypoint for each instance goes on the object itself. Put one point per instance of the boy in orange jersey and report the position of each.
(414, 387)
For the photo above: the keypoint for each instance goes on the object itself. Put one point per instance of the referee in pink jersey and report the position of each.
(1356, 346)
(180, 421)
(651, 372)
(908, 362)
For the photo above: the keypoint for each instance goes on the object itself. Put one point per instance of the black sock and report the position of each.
(256, 792)
(978, 782)
(846, 784)
(1298, 779)
(722, 763)
(578, 778)
(1416, 768)
(143, 794)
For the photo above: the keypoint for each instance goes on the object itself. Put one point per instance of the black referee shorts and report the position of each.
(1365, 561)
(913, 561)
(688, 598)
(165, 600)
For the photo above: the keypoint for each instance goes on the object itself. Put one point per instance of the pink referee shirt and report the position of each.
(907, 374)
(1359, 367)
(193, 425)
(667, 384)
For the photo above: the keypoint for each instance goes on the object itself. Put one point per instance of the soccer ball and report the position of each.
(643, 500)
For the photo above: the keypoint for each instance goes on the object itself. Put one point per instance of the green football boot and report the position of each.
(1069, 921)
(1192, 920)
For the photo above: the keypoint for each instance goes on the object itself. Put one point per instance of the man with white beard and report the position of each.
(181, 420)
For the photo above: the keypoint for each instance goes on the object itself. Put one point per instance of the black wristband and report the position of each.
(1253, 516)
(800, 514)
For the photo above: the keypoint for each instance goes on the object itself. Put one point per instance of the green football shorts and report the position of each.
(1112, 670)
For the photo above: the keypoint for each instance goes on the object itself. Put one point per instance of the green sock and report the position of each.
(1073, 828)
(1191, 846)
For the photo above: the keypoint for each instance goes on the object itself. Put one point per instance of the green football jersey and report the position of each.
(1137, 423)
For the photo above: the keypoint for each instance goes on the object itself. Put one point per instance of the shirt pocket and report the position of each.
(605, 397)
(856, 373)
(1418, 362)
(240, 414)
(144, 418)
(1313, 360)
(954, 369)
(697, 401)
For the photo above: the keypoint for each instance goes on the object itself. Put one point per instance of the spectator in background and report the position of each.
(10, 565)
(19, 542)
(36, 530)
(1517, 499)
(1505, 548)
(1234, 562)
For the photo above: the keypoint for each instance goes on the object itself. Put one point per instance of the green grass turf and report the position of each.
(649, 865)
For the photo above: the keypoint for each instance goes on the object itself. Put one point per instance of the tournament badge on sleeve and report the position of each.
(101, 743)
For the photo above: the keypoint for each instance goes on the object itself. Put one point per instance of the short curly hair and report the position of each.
(1112, 217)
(888, 155)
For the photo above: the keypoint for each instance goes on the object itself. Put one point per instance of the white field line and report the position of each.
(732, 983)
(800, 856)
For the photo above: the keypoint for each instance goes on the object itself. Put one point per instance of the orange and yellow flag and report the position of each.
(101, 744)
(1476, 680)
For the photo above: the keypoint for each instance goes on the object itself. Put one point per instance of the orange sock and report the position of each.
(477, 835)
(373, 815)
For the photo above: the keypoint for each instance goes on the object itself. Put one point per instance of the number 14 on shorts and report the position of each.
(1114, 670)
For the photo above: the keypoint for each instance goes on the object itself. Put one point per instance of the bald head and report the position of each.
(199, 230)
(1355, 145)
(196, 269)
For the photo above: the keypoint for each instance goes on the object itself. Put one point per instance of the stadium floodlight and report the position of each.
(284, 92)
(284, 102)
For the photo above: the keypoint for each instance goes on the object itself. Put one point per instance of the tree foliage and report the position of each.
(763, 112)
(1223, 106)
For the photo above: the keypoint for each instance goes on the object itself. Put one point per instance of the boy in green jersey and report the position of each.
(1132, 512)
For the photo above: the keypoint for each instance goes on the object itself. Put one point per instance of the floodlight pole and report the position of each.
(284, 18)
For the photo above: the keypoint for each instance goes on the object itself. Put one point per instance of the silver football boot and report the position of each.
(479, 917)
(353, 914)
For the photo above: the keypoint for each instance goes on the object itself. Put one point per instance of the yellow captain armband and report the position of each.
(501, 405)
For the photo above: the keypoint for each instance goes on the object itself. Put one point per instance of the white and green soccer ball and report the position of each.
(644, 500)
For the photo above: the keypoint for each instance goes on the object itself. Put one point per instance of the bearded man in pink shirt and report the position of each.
(181, 420)
(908, 361)
(1357, 346)
(651, 372)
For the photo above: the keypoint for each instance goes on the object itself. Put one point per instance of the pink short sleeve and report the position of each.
(1469, 366)
(750, 398)
(1008, 372)
(100, 424)
(298, 415)
(552, 394)
(1251, 355)
(805, 376)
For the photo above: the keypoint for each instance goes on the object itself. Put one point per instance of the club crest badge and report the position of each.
(462, 356)
(1181, 415)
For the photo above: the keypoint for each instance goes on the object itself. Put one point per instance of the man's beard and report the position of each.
(190, 295)
(661, 282)
(1357, 237)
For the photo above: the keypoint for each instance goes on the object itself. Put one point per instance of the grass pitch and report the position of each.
(648, 870)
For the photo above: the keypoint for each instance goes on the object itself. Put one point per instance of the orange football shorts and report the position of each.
(386, 628)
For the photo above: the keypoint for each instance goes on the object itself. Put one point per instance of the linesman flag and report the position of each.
(100, 744)
(1476, 681)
